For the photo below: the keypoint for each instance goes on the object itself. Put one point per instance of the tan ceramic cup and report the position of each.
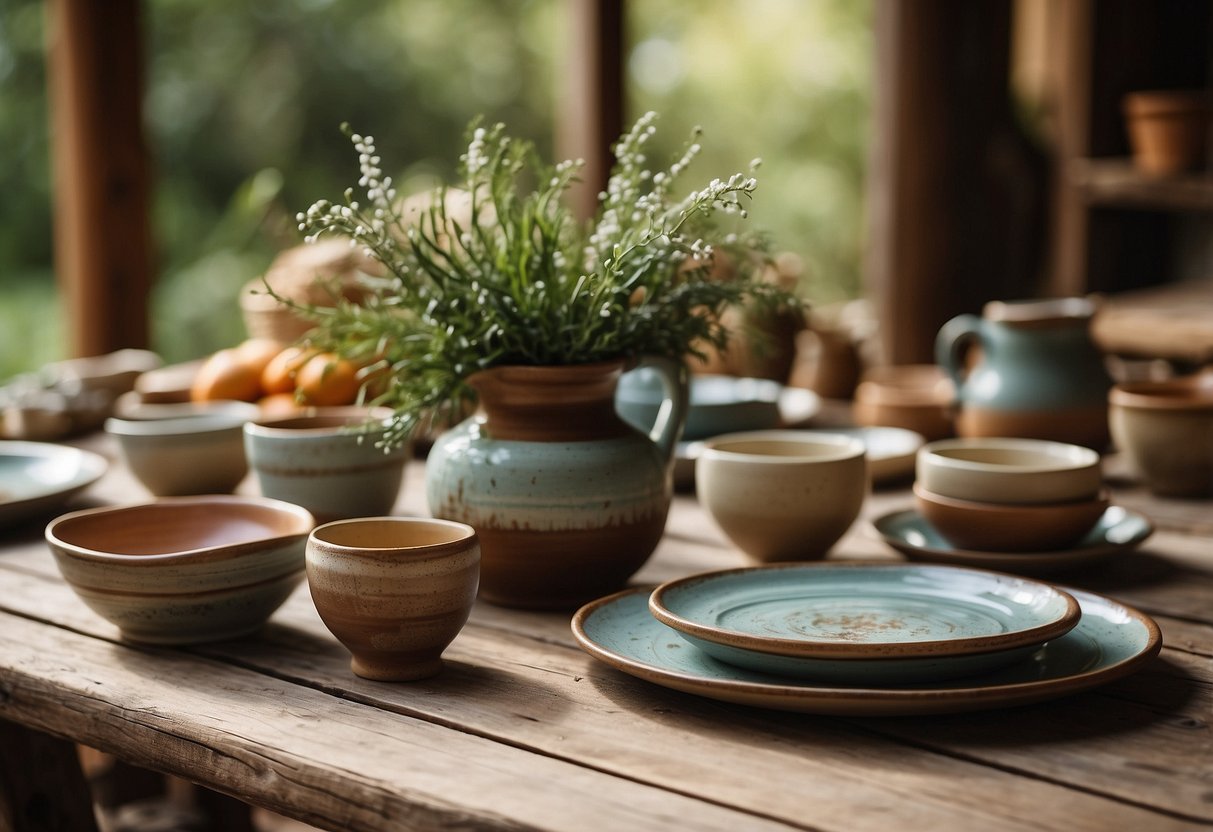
(1165, 429)
(394, 590)
(782, 495)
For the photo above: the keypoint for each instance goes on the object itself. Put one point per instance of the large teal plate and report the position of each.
(1110, 641)
(1118, 530)
(864, 622)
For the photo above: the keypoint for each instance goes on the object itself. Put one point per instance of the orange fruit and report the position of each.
(258, 352)
(279, 374)
(326, 380)
(225, 375)
(279, 404)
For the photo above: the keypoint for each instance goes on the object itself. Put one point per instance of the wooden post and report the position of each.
(42, 788)
(952, 190)
(102, 229)
(590, 117)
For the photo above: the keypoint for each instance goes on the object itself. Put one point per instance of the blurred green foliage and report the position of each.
(244, 101)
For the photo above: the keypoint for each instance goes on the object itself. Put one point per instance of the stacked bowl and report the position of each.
(1009, 495)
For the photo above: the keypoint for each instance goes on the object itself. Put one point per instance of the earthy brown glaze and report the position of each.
(394, 590)
(1002, 527)
(916, 397)
(1087, 426)
(568, 500)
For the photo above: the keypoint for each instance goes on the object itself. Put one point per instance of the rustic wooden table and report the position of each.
(523, 730)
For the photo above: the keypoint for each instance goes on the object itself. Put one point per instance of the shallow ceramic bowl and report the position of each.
(327, 461)
(183, 570)
(195, 454)
(1166, 430)
(134, 407)
(40, 476)
(1018, 471)
(782, 495)
(394, 590)
(916, 397)
(1002, 527)
(718, 404)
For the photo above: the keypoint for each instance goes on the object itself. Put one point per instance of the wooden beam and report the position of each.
(590, 117)
(101, 172)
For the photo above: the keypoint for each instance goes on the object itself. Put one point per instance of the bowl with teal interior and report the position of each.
(717, 404)
(183, 570)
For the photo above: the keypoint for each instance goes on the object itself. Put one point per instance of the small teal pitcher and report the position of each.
(1035, 372)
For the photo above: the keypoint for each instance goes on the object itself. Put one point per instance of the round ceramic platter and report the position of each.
(869, 611)
(1110, 641)
(1118, 530)
(38, 476)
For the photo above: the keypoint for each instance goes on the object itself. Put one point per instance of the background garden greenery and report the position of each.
(243, 102)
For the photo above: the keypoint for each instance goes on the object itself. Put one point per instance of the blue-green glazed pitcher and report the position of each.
(1037, 373)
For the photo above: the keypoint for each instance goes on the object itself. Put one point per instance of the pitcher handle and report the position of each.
(672, 415)
(951, 344)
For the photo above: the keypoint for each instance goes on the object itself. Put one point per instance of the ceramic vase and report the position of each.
(1037, 373)
(568, 500)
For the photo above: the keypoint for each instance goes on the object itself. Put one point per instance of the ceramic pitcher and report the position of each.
(568, 500)
(1036, 372)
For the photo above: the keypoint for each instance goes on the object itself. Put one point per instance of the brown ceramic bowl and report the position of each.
(1165, 428)
(183, 570)
(999, 527)
(916, 397)
(394, 590)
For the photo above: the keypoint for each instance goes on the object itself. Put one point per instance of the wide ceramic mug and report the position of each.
(394, 590)
(782, 495)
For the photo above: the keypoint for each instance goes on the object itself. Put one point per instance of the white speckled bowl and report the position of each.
(183, 570)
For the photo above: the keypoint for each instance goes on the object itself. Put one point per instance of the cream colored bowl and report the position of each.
(1166, 430)
(1005, 470)
(782, 495)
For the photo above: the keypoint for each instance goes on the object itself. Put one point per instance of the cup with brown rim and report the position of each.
(394, 590)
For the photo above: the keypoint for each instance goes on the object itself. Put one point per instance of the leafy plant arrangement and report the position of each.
(517, 279)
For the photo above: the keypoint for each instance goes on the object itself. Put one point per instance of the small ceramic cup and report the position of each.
(1165, 428)
(394, 590)
(200, 452)
(327, 461)
(782, 495)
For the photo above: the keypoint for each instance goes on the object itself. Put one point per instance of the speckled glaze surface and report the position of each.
(1039, 374)
(39, 476)
(198, 454)
(394, 590)
(1166, 431)
(1111, 641)
(1118, 530)
(568, 500)
(779, 495)
(327, 462)
(183, 570)
(864, 610)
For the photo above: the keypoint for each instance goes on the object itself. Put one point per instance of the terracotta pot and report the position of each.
(1168, 129)
(568, 500)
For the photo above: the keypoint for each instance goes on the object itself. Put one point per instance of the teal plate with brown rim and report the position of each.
(1110, 641)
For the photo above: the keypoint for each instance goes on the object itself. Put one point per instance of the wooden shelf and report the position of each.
(1117, 183)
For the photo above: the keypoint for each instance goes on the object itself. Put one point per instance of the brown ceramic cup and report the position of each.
(394, 590)
(1005, 527)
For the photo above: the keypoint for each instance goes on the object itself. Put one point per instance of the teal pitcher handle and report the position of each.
(953, 341)
(672, 415)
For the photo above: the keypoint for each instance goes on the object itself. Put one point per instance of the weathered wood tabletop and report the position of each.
(523, 730)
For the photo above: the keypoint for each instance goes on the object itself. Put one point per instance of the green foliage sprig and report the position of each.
(514, 278)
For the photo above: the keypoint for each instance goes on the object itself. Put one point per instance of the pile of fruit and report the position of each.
(277, 377)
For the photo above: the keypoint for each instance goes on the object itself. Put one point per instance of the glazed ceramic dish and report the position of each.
(40, 476)
(1009, 527)
(201, 453)
(1118, 530)
(183, 570)
(1001, 470)
(864, 610)
(1110, 642)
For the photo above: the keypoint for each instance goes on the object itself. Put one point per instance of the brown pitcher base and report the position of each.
(1087, 426)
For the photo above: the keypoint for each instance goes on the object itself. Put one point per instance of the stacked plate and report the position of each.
(867, 639)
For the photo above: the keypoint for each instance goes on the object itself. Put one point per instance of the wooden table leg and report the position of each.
(42, 788)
